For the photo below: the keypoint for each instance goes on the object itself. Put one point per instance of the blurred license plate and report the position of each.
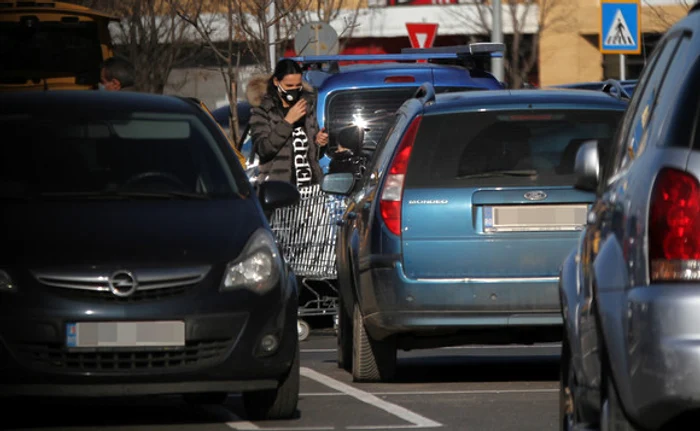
(125, 334)
(528, 218)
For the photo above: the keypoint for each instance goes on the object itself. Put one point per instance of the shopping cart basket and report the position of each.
(306, 233)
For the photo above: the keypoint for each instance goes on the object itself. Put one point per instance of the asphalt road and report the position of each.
(475, 388)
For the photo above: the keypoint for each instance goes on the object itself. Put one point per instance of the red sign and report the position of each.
(422, 35)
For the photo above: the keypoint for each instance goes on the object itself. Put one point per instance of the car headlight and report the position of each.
(258, 267)
(6, 284)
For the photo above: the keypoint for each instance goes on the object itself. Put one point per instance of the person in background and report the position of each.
(284, 129)
(117, 74)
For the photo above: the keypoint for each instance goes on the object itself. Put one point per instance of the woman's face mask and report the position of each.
(289, 96)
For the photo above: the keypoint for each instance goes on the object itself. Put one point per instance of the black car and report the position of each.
(136, 258)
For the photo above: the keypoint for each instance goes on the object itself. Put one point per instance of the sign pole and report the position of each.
(623, 67)
(497, 37)
(272, 34)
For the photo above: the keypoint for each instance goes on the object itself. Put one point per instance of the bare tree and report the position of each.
(665, 16)
(522, 47)
(245, 29)
(152, 36)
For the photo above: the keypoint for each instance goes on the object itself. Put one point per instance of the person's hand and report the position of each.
(296, 112)
(322, 138)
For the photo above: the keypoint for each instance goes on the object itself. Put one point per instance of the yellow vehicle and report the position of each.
(47, 45)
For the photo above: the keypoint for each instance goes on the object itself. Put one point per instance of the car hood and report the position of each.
(126, 232)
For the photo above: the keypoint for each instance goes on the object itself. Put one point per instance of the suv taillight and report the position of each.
(674, 227)
(392, 192)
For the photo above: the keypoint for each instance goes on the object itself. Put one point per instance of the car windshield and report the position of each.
(49, 50)
(143, 155)
(506, 148)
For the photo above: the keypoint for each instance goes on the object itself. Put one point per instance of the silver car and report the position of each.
(630, 290)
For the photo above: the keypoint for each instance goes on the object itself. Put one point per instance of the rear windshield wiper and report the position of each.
(124, 195)
(510, 173)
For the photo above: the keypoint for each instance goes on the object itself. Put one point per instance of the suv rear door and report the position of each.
(490, 194)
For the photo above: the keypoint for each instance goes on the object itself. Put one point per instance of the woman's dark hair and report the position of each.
(283, 68)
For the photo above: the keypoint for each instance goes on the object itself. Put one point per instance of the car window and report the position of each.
(48, 50)
(505, 147)
(657, 85)
(372, 108)
(632, 123)
(142, 153)
(677, 99)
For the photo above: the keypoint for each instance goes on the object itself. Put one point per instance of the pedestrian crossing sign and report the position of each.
(620, 27)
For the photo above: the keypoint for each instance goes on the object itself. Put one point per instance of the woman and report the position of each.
(285, 131)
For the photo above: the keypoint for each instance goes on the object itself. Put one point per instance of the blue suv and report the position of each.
(455, 233)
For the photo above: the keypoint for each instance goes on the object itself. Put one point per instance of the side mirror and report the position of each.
(350, 137)
(338, 184)
(587, 166)
(277, 194)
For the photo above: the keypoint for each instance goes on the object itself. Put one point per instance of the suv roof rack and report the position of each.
(461, 54)
(425, 93)
(611, 84)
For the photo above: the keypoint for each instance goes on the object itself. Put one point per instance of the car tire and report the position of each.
(207, 398)
(372, 360)
(344, 338)
(280, 403)
(612, 417)
(567, 402)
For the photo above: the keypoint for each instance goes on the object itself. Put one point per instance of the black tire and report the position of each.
(280, 403)
(372, 360)
(207, 398)
(344, 338)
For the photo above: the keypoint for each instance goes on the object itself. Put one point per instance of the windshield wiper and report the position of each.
(507, 173)
(125, 195)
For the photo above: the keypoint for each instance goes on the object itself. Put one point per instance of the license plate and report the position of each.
(534, 218)
(125, 334)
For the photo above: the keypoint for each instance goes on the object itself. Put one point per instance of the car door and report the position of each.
(603, 237)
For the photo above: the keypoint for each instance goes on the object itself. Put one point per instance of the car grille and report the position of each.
(59, 358)
(151, 283)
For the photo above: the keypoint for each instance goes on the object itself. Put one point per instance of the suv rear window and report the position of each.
(373, 108)
(510, 148)
(143, 154)
(49, 50)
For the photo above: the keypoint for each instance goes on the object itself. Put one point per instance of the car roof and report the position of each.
(523, 99)
(373, 75)
(90, 101)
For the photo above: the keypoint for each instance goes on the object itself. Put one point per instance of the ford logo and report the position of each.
(536, 195)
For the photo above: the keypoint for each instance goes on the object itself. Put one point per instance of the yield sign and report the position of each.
(422, 35)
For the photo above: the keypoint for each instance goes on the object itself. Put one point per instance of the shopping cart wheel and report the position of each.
(304, 329)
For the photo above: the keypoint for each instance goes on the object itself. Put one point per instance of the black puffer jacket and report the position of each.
(272, 139)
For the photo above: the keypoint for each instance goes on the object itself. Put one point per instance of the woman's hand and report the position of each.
(322, 138)
(296, 112)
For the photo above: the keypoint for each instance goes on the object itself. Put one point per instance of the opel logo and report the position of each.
(122, 283)
(537, 195)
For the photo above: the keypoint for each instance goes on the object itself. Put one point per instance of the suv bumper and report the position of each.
(393, 303)
(653, 342)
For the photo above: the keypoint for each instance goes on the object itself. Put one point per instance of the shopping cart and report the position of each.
(306, 233)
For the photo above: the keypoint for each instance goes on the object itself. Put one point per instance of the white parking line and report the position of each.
(414, 418)
(465, 392)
